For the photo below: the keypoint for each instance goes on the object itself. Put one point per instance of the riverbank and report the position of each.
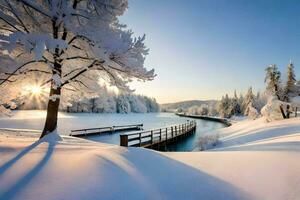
(225, 121)
(254, 160)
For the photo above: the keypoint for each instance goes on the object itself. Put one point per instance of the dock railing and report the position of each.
(156, 136)
(108, 129)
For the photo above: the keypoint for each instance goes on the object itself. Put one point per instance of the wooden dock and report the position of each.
(104, 130)
(157, 138)
(204, 117)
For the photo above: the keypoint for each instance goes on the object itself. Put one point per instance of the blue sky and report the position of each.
(202, 49)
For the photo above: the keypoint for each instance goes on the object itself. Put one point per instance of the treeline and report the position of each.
(111, 103)
(228, 106)
(277, 101)
(105, 102)
(248, 105)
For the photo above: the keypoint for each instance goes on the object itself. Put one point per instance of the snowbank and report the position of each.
(78, 169)
(259, 158)
(254, 160)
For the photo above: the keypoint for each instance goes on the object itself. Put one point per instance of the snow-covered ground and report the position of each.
(80, 169)
(254, 160)
(262, 159)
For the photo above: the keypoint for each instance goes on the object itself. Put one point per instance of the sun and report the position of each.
(34, 90)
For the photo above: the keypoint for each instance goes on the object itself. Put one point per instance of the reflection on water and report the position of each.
(68, 121)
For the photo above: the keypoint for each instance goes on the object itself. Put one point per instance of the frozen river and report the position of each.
(28, 119)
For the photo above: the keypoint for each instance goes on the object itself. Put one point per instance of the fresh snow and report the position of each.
(253, 160)
(259, 158)
(79, 169)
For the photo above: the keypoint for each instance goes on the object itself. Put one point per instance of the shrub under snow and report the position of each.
(271, 111)
(208, 141)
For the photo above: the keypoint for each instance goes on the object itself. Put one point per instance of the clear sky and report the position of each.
(202, 49)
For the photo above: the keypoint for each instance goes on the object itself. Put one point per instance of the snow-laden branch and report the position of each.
(36, 7)
(18, 69)
(70, 43)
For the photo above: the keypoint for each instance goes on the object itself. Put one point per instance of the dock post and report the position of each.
(166, 134)
(140, 137)
(124, 140)
(151, 138)
(159, 135)
(172, 134)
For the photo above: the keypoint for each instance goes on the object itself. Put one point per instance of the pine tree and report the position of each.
(236, 105)
(224, 107)
(249, 99)
(290, 86)
(272, 79)
(250, 109)
(240, 102)
(234, 108)
(273, 84)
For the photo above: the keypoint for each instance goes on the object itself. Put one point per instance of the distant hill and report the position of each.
(171, 107)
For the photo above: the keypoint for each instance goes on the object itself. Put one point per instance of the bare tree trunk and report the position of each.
(288, 111)
(52, 112)
(282, 112)
(278, 96)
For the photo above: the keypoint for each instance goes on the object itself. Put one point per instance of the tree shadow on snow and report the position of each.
(276, 146)
(145, 174)
(13, 190)
(257, 136)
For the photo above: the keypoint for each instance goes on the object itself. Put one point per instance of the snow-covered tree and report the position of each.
(203, 109)
(290, 89)
(151, 104)
(193, 110)
(136, 104)
(199, 110)
(235, 108)
(273, 87)
(271, 111)
(249, 99)
(260, 100)
(72, 43)
(212, 110)
(223, 107)
(273, 81)
(249, 104)
(240, 102)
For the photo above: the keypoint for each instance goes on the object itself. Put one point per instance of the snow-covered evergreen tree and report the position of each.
(273, 87)
(151, 104)
(240, 102)
(136, 104)
(273, 82)
(290, 89)
(72, 43)
(260, 100)
(123, 105)
(235, 108)
(224, 105)
(249, 103)
(212, 111)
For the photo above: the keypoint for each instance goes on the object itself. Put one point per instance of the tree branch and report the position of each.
(79, 57)
(36, 8)
(81, 72)
(20, 67)
(17, 16)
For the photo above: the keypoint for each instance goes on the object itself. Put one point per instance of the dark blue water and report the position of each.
(159, 120)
